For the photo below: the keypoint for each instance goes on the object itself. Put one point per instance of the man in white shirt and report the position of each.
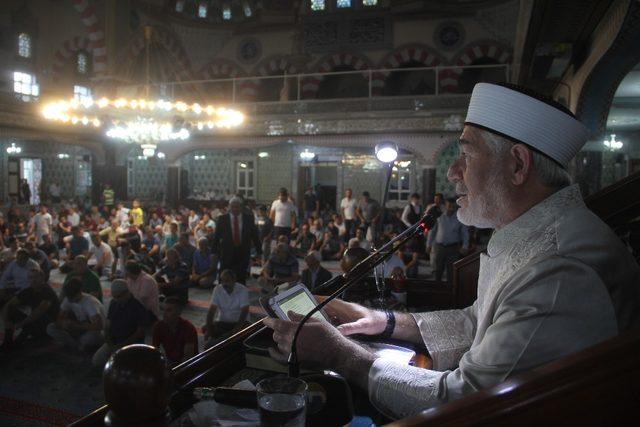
(81, 319)
(348, 207)
(555, 279)
(41, 224)
(228, 310)
(100, 255)
(54, 192)
(283, 215)
(73, 217)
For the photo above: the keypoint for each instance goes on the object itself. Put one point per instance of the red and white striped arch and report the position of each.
(449, 78)
(171, 43)
(405, 54)
(68, 50)
(311, 84)
(271, 66)
(220, 68)
(97, 45)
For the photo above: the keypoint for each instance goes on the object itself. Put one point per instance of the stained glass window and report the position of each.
(179, 5)
(317, 4)
(82, 63)
(202, 10)
(25, 84)
(82, 93)
(369, 2)
(343, 3)
(226, 13)
(24, 45)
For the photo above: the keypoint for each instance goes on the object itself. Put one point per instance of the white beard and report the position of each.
(485, 209)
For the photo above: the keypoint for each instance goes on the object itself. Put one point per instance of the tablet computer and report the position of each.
(297, 299)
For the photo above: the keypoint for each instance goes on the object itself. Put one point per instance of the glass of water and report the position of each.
(282, 401)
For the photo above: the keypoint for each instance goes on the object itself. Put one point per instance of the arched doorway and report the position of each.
(471, 76)
(352, 85)
(405, 82)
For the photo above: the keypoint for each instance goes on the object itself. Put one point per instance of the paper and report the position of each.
(209, 413)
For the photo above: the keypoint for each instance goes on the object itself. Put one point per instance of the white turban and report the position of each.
(523, 118)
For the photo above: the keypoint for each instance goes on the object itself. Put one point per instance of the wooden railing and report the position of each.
(599, 386)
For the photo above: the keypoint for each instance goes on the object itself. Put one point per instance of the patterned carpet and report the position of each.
(42, 384)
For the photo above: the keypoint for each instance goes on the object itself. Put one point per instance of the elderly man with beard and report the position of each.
(555, 279)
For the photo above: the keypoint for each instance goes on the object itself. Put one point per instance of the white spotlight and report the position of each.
(386, 151)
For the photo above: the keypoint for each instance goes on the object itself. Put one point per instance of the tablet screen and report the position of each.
(300, 303)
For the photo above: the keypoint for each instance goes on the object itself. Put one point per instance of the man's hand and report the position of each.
(319, 344)
(352, 318)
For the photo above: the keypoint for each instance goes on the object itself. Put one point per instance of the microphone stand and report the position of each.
(358, 272)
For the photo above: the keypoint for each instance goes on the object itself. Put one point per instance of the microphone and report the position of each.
(358, 272)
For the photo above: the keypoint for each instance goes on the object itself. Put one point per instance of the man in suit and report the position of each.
(315, 274)
(235, 232)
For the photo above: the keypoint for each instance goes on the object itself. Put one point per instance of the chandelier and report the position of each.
(146, 122)
(141, 121)
(612, 144)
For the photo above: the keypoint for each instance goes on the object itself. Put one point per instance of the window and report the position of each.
(317, 5)
(82, 93)
(179, 5)
(343, 3)
(400, 185)
(82, 62)
(226, 13)
(247, 10)
(24, 45)
(245, 183)
(202, 10)
(369, 2)
(25, 84)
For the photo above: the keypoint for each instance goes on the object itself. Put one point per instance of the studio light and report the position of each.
(386, 151)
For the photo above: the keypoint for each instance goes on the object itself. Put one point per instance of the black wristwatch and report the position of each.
(391, 325)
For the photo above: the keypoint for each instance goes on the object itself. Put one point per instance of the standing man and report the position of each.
(451, 238)
(311, 204)
(283, 215)
(235, 233)
(348, 207)
(54, 192)
(108, 196)
(369, 211)
(41, 224)
(265, 231)
(137, 214)
(413, 211)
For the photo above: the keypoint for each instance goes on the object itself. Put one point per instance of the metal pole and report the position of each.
(233, 91)
(437, 79)
(298, 89)
(370, 82)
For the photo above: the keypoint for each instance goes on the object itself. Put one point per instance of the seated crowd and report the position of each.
(154, 254)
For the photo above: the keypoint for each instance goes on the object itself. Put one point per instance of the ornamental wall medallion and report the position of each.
(449, 35)
(249, 50)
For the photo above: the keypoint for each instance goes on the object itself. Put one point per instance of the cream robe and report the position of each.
(554, 281)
